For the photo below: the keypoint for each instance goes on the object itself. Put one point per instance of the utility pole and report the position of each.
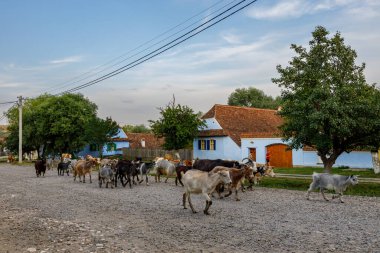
(19, 129)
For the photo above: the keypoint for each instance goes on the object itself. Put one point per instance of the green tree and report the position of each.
(101, 131)
(327, 103)
(136, 129)
(179, 125)
(53, 124)
(253, 97)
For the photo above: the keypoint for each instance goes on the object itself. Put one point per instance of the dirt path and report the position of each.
(55, 214)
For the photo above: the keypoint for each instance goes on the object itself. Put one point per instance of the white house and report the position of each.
(234, 132)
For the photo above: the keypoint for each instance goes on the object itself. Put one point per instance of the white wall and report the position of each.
(212, 124)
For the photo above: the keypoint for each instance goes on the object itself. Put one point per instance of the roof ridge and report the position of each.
(245, 107)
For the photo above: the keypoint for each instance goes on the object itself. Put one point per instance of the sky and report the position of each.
(50, 46)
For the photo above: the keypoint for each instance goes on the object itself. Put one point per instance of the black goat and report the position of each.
(63, 167)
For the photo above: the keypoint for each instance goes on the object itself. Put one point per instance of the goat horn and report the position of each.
(249, 160)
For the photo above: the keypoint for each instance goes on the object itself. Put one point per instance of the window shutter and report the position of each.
(214, 144)
(208, 145)
(199, 144)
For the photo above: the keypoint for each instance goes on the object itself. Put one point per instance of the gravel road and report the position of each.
(56, 214)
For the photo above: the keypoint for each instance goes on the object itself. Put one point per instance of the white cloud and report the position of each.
(284, 9)
(10, 84)
(297, 8)
(231, 38)
(69, 59)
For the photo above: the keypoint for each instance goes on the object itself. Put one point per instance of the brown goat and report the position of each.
(82, 168)
(236, 176)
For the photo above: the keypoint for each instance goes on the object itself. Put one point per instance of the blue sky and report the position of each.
(44, 44)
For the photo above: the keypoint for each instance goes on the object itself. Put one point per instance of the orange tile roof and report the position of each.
(212, 132)
(151, 141)
(238, 122)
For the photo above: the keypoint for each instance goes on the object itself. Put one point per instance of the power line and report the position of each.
(158, 52)
(10, 102)
(4, 114)
(92, 72)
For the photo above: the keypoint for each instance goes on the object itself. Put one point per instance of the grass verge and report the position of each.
(341, 171)
(361, 189)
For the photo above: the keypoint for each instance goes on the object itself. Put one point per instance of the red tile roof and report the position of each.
(238, 122)
(151, 141)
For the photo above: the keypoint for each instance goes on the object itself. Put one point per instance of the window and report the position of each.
(94, 147)
(111, 146)
(212, 144)
(206, 144)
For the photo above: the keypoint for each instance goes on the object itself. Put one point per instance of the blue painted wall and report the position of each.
(355, 159)
(119, 145)
(226, 149)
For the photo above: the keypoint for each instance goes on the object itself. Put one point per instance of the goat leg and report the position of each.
(190, 204)
(236, 194)
(340, 195)
(184, 200)
(229, 193)
(323, 195)
(208, 204)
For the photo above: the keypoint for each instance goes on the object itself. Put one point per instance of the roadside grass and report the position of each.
(339, 170)
(361, 189)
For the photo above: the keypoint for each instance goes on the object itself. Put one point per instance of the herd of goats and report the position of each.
(201, 176)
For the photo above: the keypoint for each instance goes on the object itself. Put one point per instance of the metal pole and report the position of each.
(20, 129)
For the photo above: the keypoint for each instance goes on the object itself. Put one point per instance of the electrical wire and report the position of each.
(162, 49)
(10, 102)
(92, 72)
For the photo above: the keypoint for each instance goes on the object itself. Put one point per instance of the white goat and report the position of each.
(163, 167)
(338, 183)
(200, 182)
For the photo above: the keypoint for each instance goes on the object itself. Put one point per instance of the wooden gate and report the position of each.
(252, 154)
(280, 155)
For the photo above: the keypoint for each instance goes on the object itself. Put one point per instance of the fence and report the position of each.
(150, 154)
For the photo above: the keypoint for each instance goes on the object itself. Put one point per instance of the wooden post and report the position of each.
(20, 129)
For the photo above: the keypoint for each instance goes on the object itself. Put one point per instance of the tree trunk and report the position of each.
(329, 160)
(100, 151)
(328, 165)
(376, 161)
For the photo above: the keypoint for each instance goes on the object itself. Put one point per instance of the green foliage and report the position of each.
(178, 124)
(57, 124)
(327, 103)
(253, 97)
(136, 129)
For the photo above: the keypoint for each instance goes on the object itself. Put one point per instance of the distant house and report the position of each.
(234, 133)
(3, 135)
(114, 147)
(144, 140)
(3, 132)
